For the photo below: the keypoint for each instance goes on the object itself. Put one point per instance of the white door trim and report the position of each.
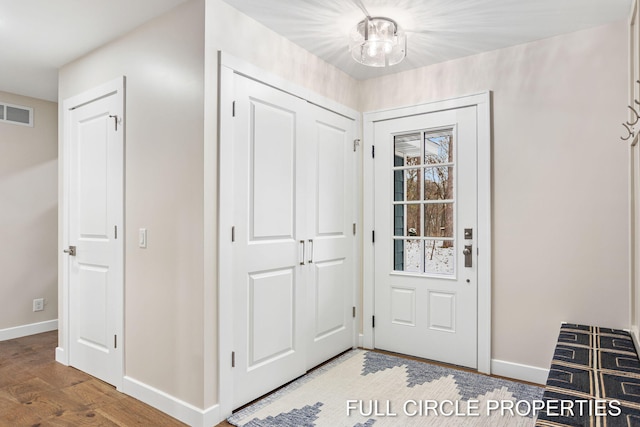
(483, 103)
(117, 87)
(228, 66)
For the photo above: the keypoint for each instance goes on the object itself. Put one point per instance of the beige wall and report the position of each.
(163, 62)
(170, 290)
(235, 33)
(560, 208)
(29, 214)
(559, 179)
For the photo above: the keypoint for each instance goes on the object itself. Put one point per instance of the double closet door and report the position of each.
(293, 250)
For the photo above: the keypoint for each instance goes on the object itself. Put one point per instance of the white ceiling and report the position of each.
(39, 36)
(437, 30)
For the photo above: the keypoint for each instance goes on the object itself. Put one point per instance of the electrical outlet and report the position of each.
(38, 304)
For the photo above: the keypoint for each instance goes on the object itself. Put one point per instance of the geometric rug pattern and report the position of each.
(594, 379)
(364, 388)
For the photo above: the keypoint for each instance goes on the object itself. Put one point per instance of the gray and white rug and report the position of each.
(364, 388)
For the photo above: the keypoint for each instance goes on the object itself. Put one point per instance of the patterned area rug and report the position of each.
(364, 388)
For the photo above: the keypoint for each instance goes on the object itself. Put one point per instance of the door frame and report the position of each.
(116, 86)
(228, 66)
(482, 102)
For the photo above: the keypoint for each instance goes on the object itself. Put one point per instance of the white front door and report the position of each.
(268, 285)
(95, 173)
(425, 201)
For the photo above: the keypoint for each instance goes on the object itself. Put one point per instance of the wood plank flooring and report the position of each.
(35, 391)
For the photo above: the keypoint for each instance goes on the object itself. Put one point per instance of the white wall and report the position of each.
(559, 179)
(28, 217)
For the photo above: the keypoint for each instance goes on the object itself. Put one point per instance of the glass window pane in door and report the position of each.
(406, 220)
(438, 183)
(408, 256)
(438, 147)
(407, 150)
(439, 257)
(438, 220)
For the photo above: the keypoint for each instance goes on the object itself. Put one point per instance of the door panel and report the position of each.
(329, 315)
(95, 210)
(93, 176)
(268, 286)
(425, 178)
(330, 179)
(330, 207)
(292, 257)
(271, 322)
(403, 306)
(272, 170)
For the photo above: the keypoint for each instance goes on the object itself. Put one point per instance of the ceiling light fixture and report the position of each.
(378, 42)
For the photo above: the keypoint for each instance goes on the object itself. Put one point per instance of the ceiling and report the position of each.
(40, 36)
(437, 30)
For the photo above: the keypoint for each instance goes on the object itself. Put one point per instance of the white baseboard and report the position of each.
(635, 334)
(520, 372)
(26, 330)
(171, 405)
(61, 356)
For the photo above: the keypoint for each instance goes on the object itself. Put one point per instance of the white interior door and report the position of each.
(330, 200)
(268, 284)
(95, 218)
(292, 251)
(425, 200)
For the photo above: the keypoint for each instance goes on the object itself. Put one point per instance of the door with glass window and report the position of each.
(425, 217)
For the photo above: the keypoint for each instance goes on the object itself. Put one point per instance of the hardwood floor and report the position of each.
(36, 391)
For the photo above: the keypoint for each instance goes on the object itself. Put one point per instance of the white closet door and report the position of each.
(330, 246)
(268, 284)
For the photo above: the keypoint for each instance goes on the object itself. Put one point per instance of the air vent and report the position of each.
(16, 114)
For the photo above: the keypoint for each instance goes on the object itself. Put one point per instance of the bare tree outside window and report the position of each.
(424, 202)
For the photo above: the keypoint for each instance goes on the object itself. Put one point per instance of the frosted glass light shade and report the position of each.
(378, 42)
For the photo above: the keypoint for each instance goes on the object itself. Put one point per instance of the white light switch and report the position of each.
(142, 238)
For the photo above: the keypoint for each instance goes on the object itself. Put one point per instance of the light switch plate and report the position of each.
(142, 238)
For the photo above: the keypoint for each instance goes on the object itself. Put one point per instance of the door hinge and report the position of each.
(373, 151)
(233, 233)
(233, 359)
(233, 109)
(373, 236)
(115, 232)
(354, 228)
(354, 311)
(356, 143)
(373, 321)
(115, 341)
